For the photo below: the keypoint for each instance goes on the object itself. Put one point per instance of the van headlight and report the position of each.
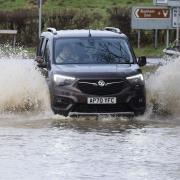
(135, 78)
(63, 80)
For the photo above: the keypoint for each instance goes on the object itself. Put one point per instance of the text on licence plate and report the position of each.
(101, 100)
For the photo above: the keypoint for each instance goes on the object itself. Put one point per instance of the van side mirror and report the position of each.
(142, 61)
(41, 62)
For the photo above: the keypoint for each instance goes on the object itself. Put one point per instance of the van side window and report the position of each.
(47, 52)
(40, 49)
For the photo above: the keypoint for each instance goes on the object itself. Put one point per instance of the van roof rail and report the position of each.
(113, 29)
(52, 30)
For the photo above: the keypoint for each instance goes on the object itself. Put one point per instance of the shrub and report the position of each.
(26, 22)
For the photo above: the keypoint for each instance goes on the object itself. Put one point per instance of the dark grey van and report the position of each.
(91, 72)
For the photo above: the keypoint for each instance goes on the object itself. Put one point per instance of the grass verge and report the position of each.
(149, 51)
(58, 4)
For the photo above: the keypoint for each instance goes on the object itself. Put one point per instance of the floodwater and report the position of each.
(36, 144)
(105, 148)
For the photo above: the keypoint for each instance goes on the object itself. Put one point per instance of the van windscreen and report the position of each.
(102, 50)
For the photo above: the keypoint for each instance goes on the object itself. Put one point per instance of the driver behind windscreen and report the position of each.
(66, 55)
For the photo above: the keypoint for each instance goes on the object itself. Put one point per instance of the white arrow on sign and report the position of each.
(165, 13)
(136, 13)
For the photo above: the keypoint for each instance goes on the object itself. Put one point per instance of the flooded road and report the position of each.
(36, 144)
(103, 148)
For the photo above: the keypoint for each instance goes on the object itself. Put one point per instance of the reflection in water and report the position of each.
(106, 124)
(99, 124)
(102, 124)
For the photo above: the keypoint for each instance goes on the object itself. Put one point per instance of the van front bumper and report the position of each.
(70, 102)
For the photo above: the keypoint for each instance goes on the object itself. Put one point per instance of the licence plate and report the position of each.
(101, 100)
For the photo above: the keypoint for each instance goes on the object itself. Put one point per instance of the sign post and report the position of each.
(40, 15)
(177, 29)
(156, 38)
(167, 38)
(139, 38)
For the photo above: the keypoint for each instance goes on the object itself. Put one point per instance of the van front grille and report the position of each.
(110, 87)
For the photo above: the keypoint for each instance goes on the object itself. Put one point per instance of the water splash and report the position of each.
(163, 89)
(8, 52)
(23, 88)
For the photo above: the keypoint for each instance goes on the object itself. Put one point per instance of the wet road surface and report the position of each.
(89, 148)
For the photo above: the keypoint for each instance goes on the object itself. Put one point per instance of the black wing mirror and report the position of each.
(142, 61)
(41, 62)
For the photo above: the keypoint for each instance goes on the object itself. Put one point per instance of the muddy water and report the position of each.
(36, 144)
